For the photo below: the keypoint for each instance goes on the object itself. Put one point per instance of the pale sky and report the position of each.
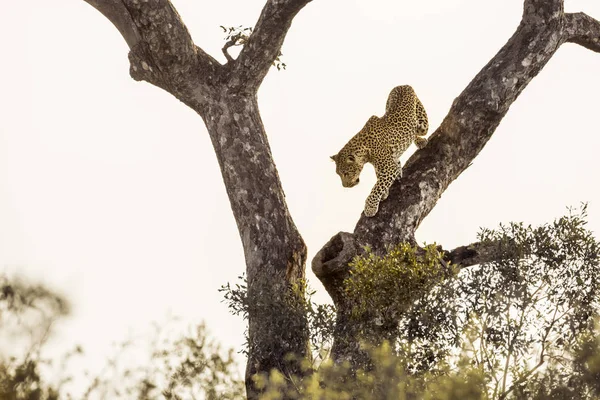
(110, 191)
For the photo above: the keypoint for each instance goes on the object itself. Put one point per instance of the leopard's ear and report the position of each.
(334, 158)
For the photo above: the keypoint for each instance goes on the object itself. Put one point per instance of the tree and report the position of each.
(163, 54)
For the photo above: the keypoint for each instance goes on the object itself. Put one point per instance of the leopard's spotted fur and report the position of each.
(381, 142)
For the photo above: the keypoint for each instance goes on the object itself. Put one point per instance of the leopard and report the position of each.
(381, 142)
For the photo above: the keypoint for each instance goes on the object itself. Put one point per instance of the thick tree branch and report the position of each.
(584, 30)
(330, 261)
(274, 251)
(264, 44)
(540, 12)
(161, 49)
(479, 253)
(116, 12)
(167, 46)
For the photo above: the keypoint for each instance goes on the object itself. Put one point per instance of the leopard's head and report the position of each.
(348, 168)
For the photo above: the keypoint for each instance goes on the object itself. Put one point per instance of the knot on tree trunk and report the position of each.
(335, 255)
(330, 264)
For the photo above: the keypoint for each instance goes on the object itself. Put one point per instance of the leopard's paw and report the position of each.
(385, 195)
(420, 142)
(371, 210)
(422, 127)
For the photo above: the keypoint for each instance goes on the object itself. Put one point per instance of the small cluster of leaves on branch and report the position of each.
(18, 297)
(389, 284)
(238, 36)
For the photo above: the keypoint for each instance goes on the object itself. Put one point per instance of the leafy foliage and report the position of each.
(389, 379)
(320, 316)
(520, 327)
(27, 314)
(191, 366)
(522, 311)
(387, 285)
(236, 297)
(177, 368)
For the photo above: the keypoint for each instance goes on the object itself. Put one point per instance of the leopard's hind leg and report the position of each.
(422, 124)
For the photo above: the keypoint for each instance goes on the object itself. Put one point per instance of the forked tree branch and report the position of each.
(163, 53)
(584, 30)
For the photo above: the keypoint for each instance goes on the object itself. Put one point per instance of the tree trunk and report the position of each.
(274, 251)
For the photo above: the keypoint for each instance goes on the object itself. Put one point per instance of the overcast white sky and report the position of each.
(110, 191)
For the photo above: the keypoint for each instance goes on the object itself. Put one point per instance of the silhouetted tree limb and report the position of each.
(583, 30)
(116, 12)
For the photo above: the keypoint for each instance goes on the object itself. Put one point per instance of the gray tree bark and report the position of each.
(163, 54)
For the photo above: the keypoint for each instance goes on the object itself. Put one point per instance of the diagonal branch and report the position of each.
(542, 11)
(264, 44)
(584, 30)
(479, 253)
(116, 12)
(470, 123)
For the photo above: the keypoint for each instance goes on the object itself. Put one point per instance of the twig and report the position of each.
(231, 42)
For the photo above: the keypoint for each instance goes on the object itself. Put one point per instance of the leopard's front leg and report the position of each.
(386, 174)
